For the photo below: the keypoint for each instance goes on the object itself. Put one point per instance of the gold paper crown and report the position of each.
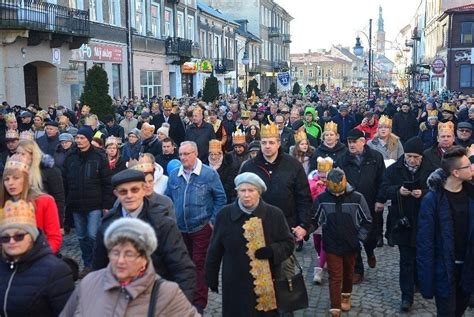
(330, 126)
(386, 121)
(12, 134)
(446, 126)
(449, 107)
(147, 126)
(168, 105)
(215, 146)
(10, 117)
(41, 114)
(269, 131)
(337, 188)
(27, 135)
(16, 162)
(432, 113)
(18, 213)
(238, 137)
(112, 140)
(300, 136)
(142, 167)
(245, 114)
(324, 164)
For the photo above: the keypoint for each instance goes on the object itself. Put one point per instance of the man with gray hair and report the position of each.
(197, 194)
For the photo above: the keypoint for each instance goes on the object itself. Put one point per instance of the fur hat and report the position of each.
(136, 230)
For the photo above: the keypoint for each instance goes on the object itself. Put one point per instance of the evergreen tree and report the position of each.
(211, 89)
(253, 85)
(296, 88)
(96, 92)
(273, 90)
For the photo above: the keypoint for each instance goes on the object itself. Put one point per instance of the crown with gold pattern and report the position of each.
(446, 126)
(449, 108)
(238, 137)
(142, 167)
(432, 114)
(330, 126)
(324, 164)
(42, 114)
(18, 163)
(27, 135)
(300, 136)
(12, 134)
(269, 131)
(10, 117)
(385, 121)
(215, 146)
(112, 140)
(167, 105)
(244, 114)
(17, 213)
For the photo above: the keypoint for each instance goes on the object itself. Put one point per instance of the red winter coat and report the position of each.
(369, 130)
(47, 220)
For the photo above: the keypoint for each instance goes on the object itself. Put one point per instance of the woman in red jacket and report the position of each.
(15, 186)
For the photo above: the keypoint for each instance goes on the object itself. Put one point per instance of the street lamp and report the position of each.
(246, 62)
(359, 50)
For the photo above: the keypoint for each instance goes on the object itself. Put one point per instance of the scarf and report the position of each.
(215, 163)
(248, 211)
(411, 169)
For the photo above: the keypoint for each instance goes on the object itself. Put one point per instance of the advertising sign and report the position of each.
(98, 53)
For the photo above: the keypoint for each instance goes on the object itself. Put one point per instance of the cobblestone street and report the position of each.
(378, 295)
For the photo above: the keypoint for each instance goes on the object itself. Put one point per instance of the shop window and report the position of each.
(150, 83)
(466, 76)
(116, 80)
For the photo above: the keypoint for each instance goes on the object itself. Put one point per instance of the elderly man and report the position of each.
(464, 134)
(201, 133)
(402, 184)
(229, 243)
(197, 194)
(171, 259)
(50, 140)
(150, 143)
(364, 169)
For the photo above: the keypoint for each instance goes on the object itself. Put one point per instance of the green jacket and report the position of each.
(312, 128)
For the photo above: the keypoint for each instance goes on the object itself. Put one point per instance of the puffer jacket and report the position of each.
(435, 242)
(100, 294)
(86, 177)
(344, 219)
(39, 284)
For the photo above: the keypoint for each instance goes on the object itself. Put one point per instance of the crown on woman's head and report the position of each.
(17, 213)
(386, 121)
(238, 137)
(330, 126)
(18, 163)
(300, 136)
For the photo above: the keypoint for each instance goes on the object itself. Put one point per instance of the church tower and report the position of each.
(380, 34)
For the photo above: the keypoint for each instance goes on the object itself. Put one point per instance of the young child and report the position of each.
(345, 219)
(317, 185)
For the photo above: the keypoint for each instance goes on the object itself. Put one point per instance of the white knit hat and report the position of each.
(135, 230)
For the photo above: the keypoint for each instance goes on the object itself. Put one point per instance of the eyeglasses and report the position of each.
(464, 130)
(129, 256)
(17, 238)
(185, 153)
(464, 167)
(133, 190)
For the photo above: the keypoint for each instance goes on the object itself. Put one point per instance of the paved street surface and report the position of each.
(378, 295)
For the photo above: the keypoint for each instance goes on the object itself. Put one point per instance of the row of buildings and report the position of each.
(440, 42)
(147, 47)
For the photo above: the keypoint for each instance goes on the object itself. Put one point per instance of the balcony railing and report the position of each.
(224, 65)
(286, 38)
(43, 16)
(178, 46)
(273, 32)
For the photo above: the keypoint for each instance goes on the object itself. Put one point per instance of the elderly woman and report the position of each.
(129, 285)
(131, 149)
(385, 142)
(228, 243)
(33, 281)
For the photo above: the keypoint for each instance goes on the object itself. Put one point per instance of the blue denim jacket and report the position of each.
(196, 202)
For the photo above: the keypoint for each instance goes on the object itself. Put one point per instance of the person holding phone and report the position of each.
(403, 188)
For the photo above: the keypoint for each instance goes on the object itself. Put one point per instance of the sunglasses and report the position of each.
(133, 190)
(17, 238)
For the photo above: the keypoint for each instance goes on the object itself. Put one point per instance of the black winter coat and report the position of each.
(151, 145)
(163, 160)
(323, 151)
(201, 135)
(86, 177)
(176, 132)
(366, 178)
(171, 259)
(41, 283)
(228, 246)
(227, 172)
(48, 145)
(53, 184)
(431, 161)
(393, 179)
(405, 126)
(287, 187)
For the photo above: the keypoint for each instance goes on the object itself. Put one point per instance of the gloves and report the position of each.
(264, 253)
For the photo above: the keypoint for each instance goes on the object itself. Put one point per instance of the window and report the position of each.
(140, 17)
(168, 23)
(180, 20)
(215, 48)
(155, 19)
(225, 54)
(301, 73)
(78, 86)
(76, 4)
(202, 39)
(114, 13)
(95, 10)
(467, 30)
(209, 45)
(466, 76)
(310, 73)
(190, 28)
(116, 83)
(150, 83)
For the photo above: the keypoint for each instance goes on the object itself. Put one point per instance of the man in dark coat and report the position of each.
(113, 129)
(50, 140)
(150, 143)
(169, 153)
(344, 122)
(176, 132)
(403, 213)
(171, 259)
(405, 124)
(286, 134)
(229, 244)
(200, 132)
(364, 169)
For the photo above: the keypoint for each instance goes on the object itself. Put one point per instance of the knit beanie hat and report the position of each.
(133, 229)
(252, 179)
(86, 131)
(19, 215)
(414, 145)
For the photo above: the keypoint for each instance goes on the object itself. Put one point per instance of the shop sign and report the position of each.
(70, 77)
(98, 53)
(424, 77)
(205, 66)
(438, 66)
(189, 68)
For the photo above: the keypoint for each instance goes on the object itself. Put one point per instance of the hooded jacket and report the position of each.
(161, 180)
(313, 127)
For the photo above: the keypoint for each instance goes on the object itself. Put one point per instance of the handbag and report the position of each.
(154, 297)
(291, 292)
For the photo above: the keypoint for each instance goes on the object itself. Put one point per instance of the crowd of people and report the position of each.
(165, 193)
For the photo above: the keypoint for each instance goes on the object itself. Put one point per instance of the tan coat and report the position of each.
(100, 294)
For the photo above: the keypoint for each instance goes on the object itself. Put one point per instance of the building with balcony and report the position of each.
(248, 45)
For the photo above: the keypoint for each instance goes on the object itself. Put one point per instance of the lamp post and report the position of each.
(246, 62)
(359, 51)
